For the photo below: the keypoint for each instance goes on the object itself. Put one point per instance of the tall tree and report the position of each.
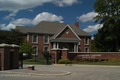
(13, 36)
(108, 15)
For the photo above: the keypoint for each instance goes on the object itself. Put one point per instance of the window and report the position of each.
(35, 50)
(86, 41)
(86, 49)
(46, 39)
(45, 48)
(35, 38)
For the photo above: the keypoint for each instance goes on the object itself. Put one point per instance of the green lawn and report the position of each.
(101, 63)
(39, 60)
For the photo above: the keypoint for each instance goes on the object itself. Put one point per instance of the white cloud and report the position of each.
(7, 27)
(93, 28)
(87, 17)
(16, 5)
(30, 10)
(61, 21)
(92, 38)
(10, 15)
(22, 21)
(62, 3)
(45, 16)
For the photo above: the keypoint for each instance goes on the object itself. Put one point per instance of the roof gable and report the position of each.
(62, 33)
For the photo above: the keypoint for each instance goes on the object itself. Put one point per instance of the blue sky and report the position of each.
(31, 12)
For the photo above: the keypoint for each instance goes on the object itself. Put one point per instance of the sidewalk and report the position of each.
(85, 65)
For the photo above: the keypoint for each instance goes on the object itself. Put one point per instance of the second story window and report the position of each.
(35, 38)
(86, 41)
(46, 39)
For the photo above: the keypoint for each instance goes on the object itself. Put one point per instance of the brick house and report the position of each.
(47, 35)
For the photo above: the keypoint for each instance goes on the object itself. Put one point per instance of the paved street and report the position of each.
(77, 73)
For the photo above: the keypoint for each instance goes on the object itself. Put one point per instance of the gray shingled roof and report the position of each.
(46, 27)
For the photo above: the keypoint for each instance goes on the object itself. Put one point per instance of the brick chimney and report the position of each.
(76, 24)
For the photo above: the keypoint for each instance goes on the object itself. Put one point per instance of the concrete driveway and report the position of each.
(83, 72)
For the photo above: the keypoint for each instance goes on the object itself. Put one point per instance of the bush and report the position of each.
(102, 60)
(46, 54)
(113, 60)
(87, 60)
(64, 61)
(78, 60)
(91, 60)
(96, 60)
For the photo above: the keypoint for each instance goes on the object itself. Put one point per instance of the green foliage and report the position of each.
(101, 60)
(64, 61)
(93, 47)
(26, 47)
(46, 53)
(113, 60)
(13, 36)
(107, 38)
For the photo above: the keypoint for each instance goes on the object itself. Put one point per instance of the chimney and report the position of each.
(76, 24)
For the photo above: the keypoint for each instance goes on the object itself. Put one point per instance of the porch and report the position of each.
(71, 44)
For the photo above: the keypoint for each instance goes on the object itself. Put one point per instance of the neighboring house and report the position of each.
(47, 35)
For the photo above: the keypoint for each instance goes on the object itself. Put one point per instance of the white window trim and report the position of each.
(85, 49)
(85, 41)
(44, 48)
(37, 50)
(32, 38)
(44, 39)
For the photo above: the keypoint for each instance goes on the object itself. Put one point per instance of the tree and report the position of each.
(108, 15)
(26, 47)
(13, 36)
(46, 56)
(16, 36)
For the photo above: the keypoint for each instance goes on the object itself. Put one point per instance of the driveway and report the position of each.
(77, 73)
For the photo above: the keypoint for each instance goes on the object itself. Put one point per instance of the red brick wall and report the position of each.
(94, 55)
(69, 35)
(40, 43)
(82, 44)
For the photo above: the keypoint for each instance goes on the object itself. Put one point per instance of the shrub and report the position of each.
(91, 60)
(78, 60)
(96, 60)
(101, 60)
(113, 60)
(64, 61)
(46, 54)
(87, 60)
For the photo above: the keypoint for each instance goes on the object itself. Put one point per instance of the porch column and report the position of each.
(54, 45)
(57, 45)
(74, 47)
(77, 46)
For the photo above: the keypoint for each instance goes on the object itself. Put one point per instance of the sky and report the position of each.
(30, 12)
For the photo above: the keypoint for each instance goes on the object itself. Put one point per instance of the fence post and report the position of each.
(65, 53)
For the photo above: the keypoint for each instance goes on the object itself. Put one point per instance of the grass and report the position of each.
(101, 63)
(39, 60)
